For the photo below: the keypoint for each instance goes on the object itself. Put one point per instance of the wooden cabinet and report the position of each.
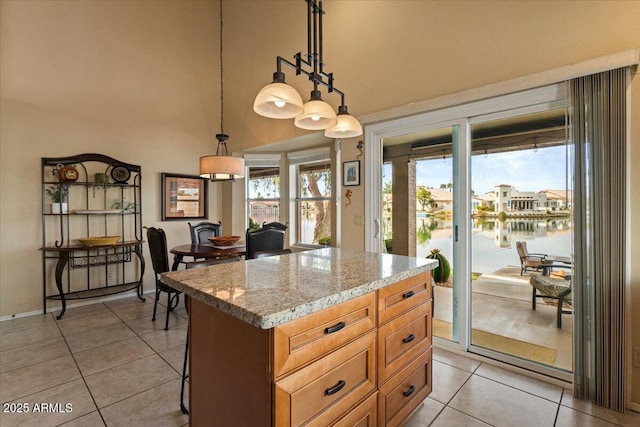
(402, 339)
(322, 392)
(403, 393)
(301, 341)
(341, 366)
(404, 348)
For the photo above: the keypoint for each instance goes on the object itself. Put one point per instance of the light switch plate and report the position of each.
(358, 219)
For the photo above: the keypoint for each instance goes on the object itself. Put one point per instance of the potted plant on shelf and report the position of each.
(58, 194)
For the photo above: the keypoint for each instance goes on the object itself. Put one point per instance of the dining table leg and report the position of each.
(177, 259)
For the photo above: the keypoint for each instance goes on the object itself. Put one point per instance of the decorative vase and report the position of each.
(55, 208)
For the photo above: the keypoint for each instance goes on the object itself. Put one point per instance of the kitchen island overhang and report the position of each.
(268, 292)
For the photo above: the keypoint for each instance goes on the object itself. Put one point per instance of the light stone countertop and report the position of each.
(268, 292)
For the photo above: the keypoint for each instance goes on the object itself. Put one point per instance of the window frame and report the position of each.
(263, 161)
(299, 158)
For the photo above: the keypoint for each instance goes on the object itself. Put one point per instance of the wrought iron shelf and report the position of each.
(79, 271)
(97, 292)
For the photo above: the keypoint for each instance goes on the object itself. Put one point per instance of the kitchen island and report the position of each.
(322, 337)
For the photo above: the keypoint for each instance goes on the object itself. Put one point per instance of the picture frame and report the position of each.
(351, 173)
(184, 197)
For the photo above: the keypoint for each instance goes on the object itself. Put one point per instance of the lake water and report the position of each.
(493, 243)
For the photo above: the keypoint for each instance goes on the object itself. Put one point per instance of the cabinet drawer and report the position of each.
(322, 392)
(403, 296)
(301, 341)
(363, 415)
(402, 394)
(402, 339)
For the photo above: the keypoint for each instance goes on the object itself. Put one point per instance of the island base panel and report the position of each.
(229, 370)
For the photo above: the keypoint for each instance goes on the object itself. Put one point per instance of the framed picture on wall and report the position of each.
(184, 197)
(351, 173)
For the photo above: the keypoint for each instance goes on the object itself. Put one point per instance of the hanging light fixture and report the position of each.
(222, 166)
(280, 101)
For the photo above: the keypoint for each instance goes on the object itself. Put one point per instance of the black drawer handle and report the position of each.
(408, 294)
(335, 328)
(336, 388)
(408, 339)
(409, 392)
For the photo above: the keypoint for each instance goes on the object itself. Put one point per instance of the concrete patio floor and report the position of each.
(501, 305)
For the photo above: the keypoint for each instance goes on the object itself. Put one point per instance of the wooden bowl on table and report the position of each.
(99, 241)
(224, 240)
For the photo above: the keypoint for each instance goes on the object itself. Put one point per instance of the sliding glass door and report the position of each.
(520, 196)
(468, 183)
(418, 205)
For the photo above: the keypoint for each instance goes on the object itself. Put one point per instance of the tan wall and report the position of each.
(139, 81)
(125, 79)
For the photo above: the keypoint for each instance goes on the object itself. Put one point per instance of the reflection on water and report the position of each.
(493, 244)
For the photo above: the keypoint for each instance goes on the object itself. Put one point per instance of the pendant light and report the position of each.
(317, 114)
(280, 101)
(347, 126)
(221, 167)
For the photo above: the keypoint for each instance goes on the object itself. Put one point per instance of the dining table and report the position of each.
(205, 250)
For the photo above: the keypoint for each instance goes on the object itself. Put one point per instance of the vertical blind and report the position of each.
(598, 127)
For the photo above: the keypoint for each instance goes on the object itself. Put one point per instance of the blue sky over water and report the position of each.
(526, 170)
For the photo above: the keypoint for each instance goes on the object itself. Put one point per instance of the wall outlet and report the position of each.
(358, 219)
(636, 357)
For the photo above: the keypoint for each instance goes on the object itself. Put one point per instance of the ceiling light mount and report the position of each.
(280, 101)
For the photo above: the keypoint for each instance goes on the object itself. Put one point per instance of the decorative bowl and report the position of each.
(99, 241)
(224, 240)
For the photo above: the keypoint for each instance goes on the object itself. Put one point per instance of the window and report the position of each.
(311, 208)
(313, 203)
(263, 191)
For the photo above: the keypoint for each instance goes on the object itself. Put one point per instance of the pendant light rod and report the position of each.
(221, 85)
(280, 101)
(314, 55)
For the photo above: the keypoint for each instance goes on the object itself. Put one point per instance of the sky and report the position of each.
(526, 170)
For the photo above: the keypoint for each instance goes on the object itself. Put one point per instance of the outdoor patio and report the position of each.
(503, 320)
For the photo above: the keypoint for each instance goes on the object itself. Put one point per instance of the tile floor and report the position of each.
(116, 367)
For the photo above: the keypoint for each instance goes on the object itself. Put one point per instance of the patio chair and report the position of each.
(529, 260)
(550, 287)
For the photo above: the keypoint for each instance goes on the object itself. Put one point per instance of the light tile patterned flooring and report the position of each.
(116, 367)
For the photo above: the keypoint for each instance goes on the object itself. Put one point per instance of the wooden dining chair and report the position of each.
(197, 264)
(157, 240)
(264, 239)
(275, 224)
(202, 230)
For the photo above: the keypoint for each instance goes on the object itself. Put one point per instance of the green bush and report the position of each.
(325, 240)
(387, 244)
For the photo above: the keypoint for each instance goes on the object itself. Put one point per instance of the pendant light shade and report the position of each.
(278, 100)
(347, 127)
(317, 114)
(221, 167)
